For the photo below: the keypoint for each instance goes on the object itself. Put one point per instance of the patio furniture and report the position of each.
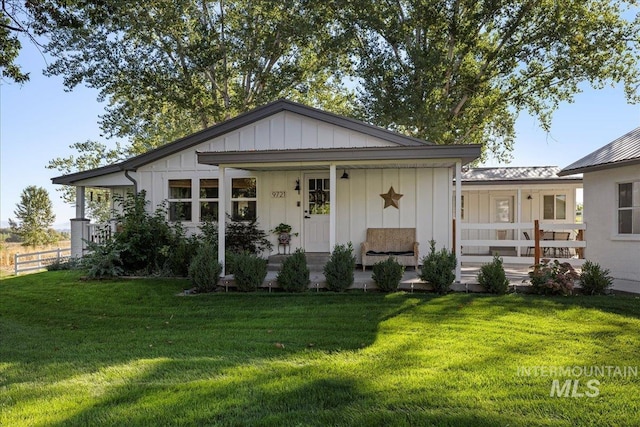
(562, 235)
(384, 242)
(527, 237)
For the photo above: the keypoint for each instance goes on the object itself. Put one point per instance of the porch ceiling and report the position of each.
(428, 156)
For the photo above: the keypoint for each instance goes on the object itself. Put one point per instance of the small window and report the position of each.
(629, 208)
(243, 199)
(208, 200)
(179, 200)
(554, 206)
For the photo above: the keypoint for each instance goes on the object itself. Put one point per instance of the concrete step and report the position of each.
(315, 261)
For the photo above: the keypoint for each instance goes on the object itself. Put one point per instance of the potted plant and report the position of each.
(284, 233)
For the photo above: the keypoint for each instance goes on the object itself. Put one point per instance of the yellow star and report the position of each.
(391, 198)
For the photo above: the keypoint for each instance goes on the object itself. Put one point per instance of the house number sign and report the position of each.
(278, 194)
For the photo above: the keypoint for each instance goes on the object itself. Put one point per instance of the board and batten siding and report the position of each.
(478, 208)
(619, 253)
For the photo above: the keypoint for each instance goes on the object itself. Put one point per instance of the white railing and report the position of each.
(523, 251)
(36, 260)
(100, 233)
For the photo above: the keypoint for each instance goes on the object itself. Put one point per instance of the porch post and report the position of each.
(333, 206)
(457, 246)
(222, 202)
(518, 218)
(79, 231)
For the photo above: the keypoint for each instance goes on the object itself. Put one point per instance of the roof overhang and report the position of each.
(599, 167)
(362, 157)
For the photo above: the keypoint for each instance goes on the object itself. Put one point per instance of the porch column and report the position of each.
(79, 225)
(518, 219)
(222, 202)
(333, 207)
(458, 247)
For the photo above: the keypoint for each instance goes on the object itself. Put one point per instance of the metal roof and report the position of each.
(623, 151)
(515, 175)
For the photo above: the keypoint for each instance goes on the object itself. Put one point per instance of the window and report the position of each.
(208, 200)
(179, 200)
(554, 206)
(629, 208)
(243, 199)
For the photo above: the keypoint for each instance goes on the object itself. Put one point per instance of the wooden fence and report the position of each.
(39, 260)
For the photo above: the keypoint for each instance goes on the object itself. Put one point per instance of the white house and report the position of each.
(323, 174)
(515, 195)
(612, 207)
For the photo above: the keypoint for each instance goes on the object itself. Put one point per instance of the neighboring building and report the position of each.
(516, 195)
(612, 207)
(323, 174)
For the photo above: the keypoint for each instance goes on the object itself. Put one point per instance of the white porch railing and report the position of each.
(100, 233)
(519, 250)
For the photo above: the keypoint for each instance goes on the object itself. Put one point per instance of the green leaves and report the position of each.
(35, 216)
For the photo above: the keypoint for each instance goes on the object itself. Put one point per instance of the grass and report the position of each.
(132, 352)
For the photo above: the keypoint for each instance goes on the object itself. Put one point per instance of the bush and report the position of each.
(387, 274)
(553, 278)
(245, 236)
(249, 271)
(493, 278)
(70, 263)
(594, 279)
(205, 269)
(339, 270)
(103, 261)
(438, 268)
(294, 275)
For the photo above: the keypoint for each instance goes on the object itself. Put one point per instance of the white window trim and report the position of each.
(243, 199)
(617, 236)
(555, 210)
(170, 200)
(200, 200)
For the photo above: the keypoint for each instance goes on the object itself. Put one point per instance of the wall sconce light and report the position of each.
(297, 186)
(529, 197)
(345, 175)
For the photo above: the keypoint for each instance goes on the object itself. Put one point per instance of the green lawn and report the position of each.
(132, 352)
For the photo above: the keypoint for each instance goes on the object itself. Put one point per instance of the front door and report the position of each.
(316, 213)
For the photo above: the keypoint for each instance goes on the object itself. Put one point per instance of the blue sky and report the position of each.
(39, 120)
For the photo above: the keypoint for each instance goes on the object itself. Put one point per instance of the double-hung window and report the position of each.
(243, 199)
(629, 208)
(179, 200)
(208, 200)
(554, 206)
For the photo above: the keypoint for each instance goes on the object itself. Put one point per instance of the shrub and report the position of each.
(67, 264)
(339, 270)
(245, 236)
(205, 269)
(594, 279)
(493, 278)
(438, 268)
(249, 271)
(294, 275)
(103, 260)
(552, 278)
(387, 274)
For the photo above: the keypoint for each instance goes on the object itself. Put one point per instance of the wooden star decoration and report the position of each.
(391, 198)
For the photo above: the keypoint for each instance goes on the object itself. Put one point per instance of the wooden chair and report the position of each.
(527, 237)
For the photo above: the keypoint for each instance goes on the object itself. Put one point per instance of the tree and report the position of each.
(89, 155)
(30, 19)
(460, 71)
(170, 68)
(35, 213)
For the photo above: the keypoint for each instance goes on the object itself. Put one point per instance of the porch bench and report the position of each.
(384, 242)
